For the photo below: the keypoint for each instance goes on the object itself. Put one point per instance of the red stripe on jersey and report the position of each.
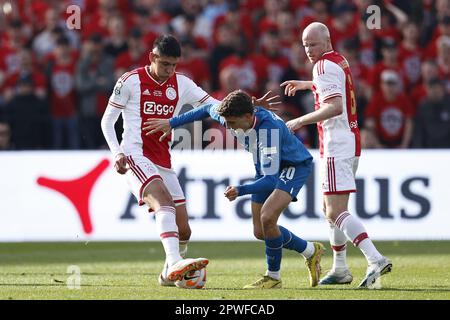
(161, 104)
(125, 76)
(352, 116)
(320, 67)
(116, 105)
(332, 96)
(319, 124)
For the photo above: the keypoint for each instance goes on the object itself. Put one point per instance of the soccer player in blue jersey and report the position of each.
(282, 166)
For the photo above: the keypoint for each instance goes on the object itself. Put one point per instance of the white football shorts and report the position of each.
(338, 175)
(142, 172)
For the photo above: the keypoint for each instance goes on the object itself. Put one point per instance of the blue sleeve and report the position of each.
(263, 184)
(199, 113)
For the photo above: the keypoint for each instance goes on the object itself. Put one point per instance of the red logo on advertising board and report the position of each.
(78, 191)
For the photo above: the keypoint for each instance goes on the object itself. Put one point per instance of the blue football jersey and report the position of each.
(271, 143)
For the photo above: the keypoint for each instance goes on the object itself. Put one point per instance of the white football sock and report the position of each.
(338, 242)
(183, 250)
(355, 232)
(274, 274)
(309, 250)
(168, 233)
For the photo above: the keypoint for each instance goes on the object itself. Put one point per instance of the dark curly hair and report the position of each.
(236, 104)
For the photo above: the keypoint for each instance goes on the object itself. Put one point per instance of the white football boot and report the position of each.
(375, 271)
(337, 277)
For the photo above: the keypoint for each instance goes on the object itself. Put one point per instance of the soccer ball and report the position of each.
(194, 279)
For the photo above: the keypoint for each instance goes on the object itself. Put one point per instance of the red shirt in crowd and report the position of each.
(375, 75)
(366, 52)
(418, 95)
(252, 70)
(39, 81)
(9, 60)
(195, 69)
(62, 93)
(338, 37)
(245, 26)
(390, 117)
(410, 62)
(126, 62)
(276, 67)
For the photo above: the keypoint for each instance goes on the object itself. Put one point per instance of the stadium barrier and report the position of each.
(78, 196)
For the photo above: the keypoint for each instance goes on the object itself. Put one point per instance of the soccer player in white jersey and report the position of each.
(335, 115)
(155, 90)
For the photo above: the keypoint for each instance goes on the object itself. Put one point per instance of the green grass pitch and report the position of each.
(129, 270)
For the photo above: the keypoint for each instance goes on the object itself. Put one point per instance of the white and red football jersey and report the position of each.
(141, 97)
(338, 136)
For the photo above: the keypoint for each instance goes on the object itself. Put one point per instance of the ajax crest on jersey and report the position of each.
(171, 93)
(195, 279)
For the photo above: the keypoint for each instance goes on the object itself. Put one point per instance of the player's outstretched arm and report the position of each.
(152, 125)
(292, 86)
(263, 184)
(328, 109)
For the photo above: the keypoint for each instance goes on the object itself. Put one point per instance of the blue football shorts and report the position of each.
(291, 179)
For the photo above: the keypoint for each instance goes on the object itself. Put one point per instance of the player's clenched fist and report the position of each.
(231, 193)
(121, 163)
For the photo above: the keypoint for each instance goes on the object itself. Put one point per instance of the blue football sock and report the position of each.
(274, 249)
(291, 241)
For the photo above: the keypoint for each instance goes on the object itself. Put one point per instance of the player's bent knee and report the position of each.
(268, 219)
(331, 215)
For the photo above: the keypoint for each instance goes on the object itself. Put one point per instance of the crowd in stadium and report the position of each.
(55, 82)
